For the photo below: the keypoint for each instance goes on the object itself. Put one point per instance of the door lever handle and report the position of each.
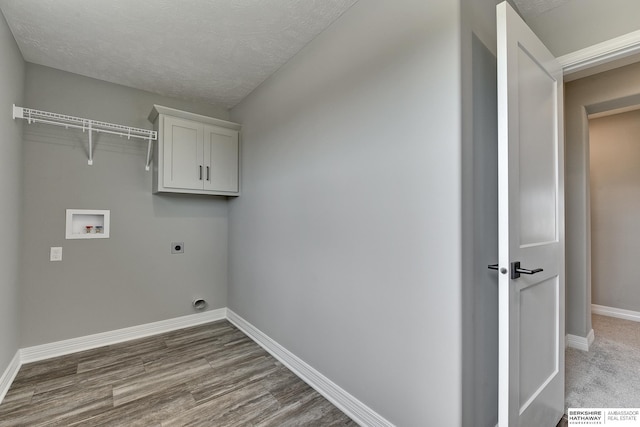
(495, 267)
(516, 271)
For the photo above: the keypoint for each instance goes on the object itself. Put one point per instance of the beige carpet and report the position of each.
(608, 375)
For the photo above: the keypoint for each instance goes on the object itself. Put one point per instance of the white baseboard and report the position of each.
(615, 312)
(9, 375)
(73, 345)
(358, 411)
(580, 343)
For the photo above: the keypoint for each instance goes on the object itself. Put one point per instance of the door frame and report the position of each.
(599, 57)
(604, 56)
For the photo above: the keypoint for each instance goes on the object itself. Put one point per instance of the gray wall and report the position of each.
(130, 278)
(615, 209)
(600, 92)
(479, 214)
(480, 245)
(11, 91)
(345, 246)
(582, 23)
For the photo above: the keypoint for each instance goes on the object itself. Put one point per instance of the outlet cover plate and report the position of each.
(177, 247)
(55, 254)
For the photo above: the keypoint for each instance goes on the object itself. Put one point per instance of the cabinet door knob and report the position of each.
(208, 176)
(200, 172)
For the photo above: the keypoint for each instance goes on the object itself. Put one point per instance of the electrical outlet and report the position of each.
(177, 247)
(55, 254)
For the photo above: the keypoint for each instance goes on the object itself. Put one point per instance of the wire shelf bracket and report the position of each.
(87, 125)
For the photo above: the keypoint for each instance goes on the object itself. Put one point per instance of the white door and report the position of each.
(531, 227)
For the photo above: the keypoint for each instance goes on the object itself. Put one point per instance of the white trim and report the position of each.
(601, 53)
(613, 112)
(615, 312)
(73, 345)
(159, 109)
(358, 411)
(580, 343)
(9, 375)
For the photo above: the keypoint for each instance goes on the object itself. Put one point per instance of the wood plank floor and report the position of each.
(210, 375)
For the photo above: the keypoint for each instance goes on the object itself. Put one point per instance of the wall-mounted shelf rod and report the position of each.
(38, 116)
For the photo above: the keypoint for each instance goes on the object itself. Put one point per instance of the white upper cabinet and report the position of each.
(195, 154)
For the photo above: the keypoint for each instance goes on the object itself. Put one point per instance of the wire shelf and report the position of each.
(88, 125)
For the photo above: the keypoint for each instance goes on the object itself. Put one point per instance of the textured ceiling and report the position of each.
(532, 8)
(215, 51)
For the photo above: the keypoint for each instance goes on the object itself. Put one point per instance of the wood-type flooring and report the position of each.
(209, 375)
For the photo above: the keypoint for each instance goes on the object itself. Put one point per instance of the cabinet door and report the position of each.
(183, 154)
(220, 159)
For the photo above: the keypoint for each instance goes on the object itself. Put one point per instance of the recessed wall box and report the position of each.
(87, 224)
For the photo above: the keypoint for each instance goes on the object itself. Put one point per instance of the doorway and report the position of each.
(613, 91)
(605, 376)
(614, 154)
